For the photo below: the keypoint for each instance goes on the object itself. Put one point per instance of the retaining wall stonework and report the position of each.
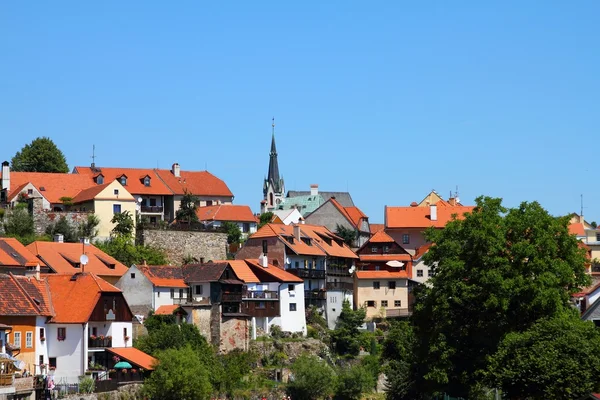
(181, 244)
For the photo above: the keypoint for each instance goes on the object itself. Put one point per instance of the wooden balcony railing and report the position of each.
(7, 380)
(152, 209)
(263, 294)
(315, 295)
(307, 273)
(192, 301)
(99, 343)
(231, 297)
(339, 286)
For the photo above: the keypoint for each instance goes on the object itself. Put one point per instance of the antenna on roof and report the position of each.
(581, 214)
(93, 156)
(205, 166)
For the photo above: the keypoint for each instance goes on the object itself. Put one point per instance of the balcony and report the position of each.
(398, 312)
(340, 286)
(231, 297)
(263, 295)
(315, 295)
(98, 342)
(7, 380)
(307, 273)
(151, 209)
(192, 301)
(338, 270)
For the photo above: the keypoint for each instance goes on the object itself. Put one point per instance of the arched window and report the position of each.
(147, 181)
(123, 180)
(270, 199)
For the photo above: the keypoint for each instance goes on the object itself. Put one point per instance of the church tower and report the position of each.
(273, 187)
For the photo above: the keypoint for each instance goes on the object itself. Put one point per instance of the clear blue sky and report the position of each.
(386, 99)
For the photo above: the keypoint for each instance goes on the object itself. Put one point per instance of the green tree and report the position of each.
(398, 351)
(89, 228)
(237, 365)
(353, 382)
(63, 227)
(187, 209)
(312, 379)
(41, 155)
(349, 235)
(234, 234)
(594, 224)
(123, 249)
(497, 271)
(265, 218)
(124, 225)
(346, 336)
(179, 374)
(18, 223)
(557, 358)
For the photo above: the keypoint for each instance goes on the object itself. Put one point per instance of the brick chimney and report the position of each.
(297, 232)
(175, 170)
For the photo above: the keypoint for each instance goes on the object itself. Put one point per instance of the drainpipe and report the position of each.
(84, 349)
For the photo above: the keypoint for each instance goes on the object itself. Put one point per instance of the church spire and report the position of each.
(273, 148)
(273, 177)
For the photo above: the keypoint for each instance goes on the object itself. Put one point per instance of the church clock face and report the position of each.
(278, 201)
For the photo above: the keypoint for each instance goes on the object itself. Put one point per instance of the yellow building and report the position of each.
(383, 294)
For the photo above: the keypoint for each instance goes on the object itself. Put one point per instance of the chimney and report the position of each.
(59, 238)
(433, 213)
(5, 176)
(263, 260)
(297, 232)
(33, 272)
(314, 190)
(176, 171)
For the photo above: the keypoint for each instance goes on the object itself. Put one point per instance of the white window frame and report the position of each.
(29, 340)
(17, 339)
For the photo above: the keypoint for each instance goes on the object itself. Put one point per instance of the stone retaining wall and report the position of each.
(179, 245)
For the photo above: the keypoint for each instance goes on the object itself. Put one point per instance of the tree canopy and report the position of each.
(234, 234)
(265, 218)
(349, 235)
(124, 225)
(346, 336)
(41, 155)
(187, 209)
(313, 379)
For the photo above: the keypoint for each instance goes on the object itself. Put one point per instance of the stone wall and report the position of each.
(179, 245)
(234, 334)
(44, 218)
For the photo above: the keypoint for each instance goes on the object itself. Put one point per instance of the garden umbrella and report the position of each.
(122, 364)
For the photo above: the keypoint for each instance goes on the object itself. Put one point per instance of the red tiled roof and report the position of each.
(135, 356)
(577, 229)
(60, 257)
(75, 299)
(55, 185)
(135, 179)
(277, 273)
(420, 217)
(381, 237)
(381, 275)
(226, 212)
(14, 254)
(24, 296)
(243, 271)
(200, 183)
(166, 309)
(352, 214)
(385, 257)
(422, 250)
(89, 193)
(209, 272)
(164, 275)
(376, 228)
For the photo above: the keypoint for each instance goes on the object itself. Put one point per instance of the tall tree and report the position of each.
(497, 271)
(41, 155)
(124, 225)
(265, 218)
(312, 379)
(346, 336)
(187, 209)
(234, 234)
(349, 235)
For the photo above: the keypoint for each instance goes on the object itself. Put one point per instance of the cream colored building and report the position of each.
(383, 294)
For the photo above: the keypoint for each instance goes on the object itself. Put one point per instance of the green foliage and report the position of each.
(234, 234)
(86, 385)
(352, 382)
(497, 271)
(63, 227)
(346, 337)
(124, 225)
(122, 249)
(18, 223)
(88, 229)
(237, 364)
(41, 155)
(187, 209)
(179, 375)
(312, 379)
(349, 235)
(372, 364)
(2, 212)
(265, 218)
(164, 334)
(66, 200)
(594, 224)
(557, 358)
(398, 349)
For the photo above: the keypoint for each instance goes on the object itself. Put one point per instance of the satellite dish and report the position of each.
(83, 259)
(139, 200)
(352, 269)
(288, 261)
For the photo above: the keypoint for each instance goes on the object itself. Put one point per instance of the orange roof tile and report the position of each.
(381, 237)
(243, 271)
(381, 275)
(277, 273)
(14, 254)
(89, 193)
(422, 250)
(59, 257)
(577, 229)
(226, 212)
(75, 299)
(166, 309)
(55, 185)
(164, 275)
(135, 179)
(24, 296)
(420, 217)
(135, 356)
(200, 183)
(385, 257)
(352, 214)
(376, 228)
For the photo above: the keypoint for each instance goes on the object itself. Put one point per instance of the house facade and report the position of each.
(216, 216)
(383, 293)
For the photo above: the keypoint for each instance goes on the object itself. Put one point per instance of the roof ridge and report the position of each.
(13, 277)
(155, 170)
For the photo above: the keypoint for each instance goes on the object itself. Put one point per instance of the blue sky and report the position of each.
(385, 99)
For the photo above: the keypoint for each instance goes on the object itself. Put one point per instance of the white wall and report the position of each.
(335, 300)
(41, 348)
(422, 267)
(162, 296)
(292, 321)
(115, 330)
(68, 353)
(138, 290)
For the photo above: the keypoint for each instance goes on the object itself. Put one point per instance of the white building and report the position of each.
(216, 216)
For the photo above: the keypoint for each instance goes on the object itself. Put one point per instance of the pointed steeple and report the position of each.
(273, 177)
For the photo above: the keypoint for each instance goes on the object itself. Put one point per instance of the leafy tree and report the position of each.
(124, 225)
(352, 382)
(497, 271)
(557, 358)
(187, 209)
(63, 227)
(123, 249)
(179, 374)
(398, 350)
(265, 218)
(41, 155)
(346, 336)
(88, 229)
(18, 223)
(312, 379)
(349, 235)
(234, 234)
(236, 365)
(594, 224)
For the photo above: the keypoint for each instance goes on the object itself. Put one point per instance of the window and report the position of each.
(292, 306)
(598, 237)
(17, 340)
(123, 180)
(158, 294)
(391, 284)
(125, 333)
(181, 293)
(116, 192)
(397, 303)
(291, 287)
(406, 238)
(260, 304)
(29, 191)
(52, 362)
(152, 202)
(374, 249)
(297, 264)
(172, 293)
(384, 303)
(198, 289)
(61, 333)
(41, 360)
(132, 275)
(95, 331)
(371, 303)
(116, 208)
(245, 227)
(42, 333)
(147, 181)
(376, 285)
(209, 202)
(100, 180)
(386, 249)
(420, 273)
(29, 340)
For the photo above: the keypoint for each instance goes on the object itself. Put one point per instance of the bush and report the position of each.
(312, 379)
(353, 382)
(86, 385)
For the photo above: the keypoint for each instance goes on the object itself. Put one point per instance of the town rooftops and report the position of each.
(53, 186)
(352, 214)
(343, 198)
(200, 183)
(381, 237)
(209, 272)
(24, 296)
(164, 275)
(271, 273)
(376, 228)
(135, 179)
(63, 258)
(14, 254)
(243, 271)
(381, 275)
(226, 212)
(420, 217)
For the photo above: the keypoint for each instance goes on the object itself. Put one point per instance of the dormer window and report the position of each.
(123, 180)
(100, 179)
(147, 181)
(307, 241)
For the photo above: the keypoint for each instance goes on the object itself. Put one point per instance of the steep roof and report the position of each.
(210, 272)
(381, 237)
(164, 275)
(62, 258)
(135, 179)
(243, 271)
(135, 356)
(226, 212)
(577, 229)
(304, 204)
(420, 217)
(376, 228)
(200, 183)
(89, 193)
(381, 275)
(273, 274)
(168, 309)
(352, 214)
(53, 186)
(343, 198)
(24, 296)
(75, 297)
(14, 254)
